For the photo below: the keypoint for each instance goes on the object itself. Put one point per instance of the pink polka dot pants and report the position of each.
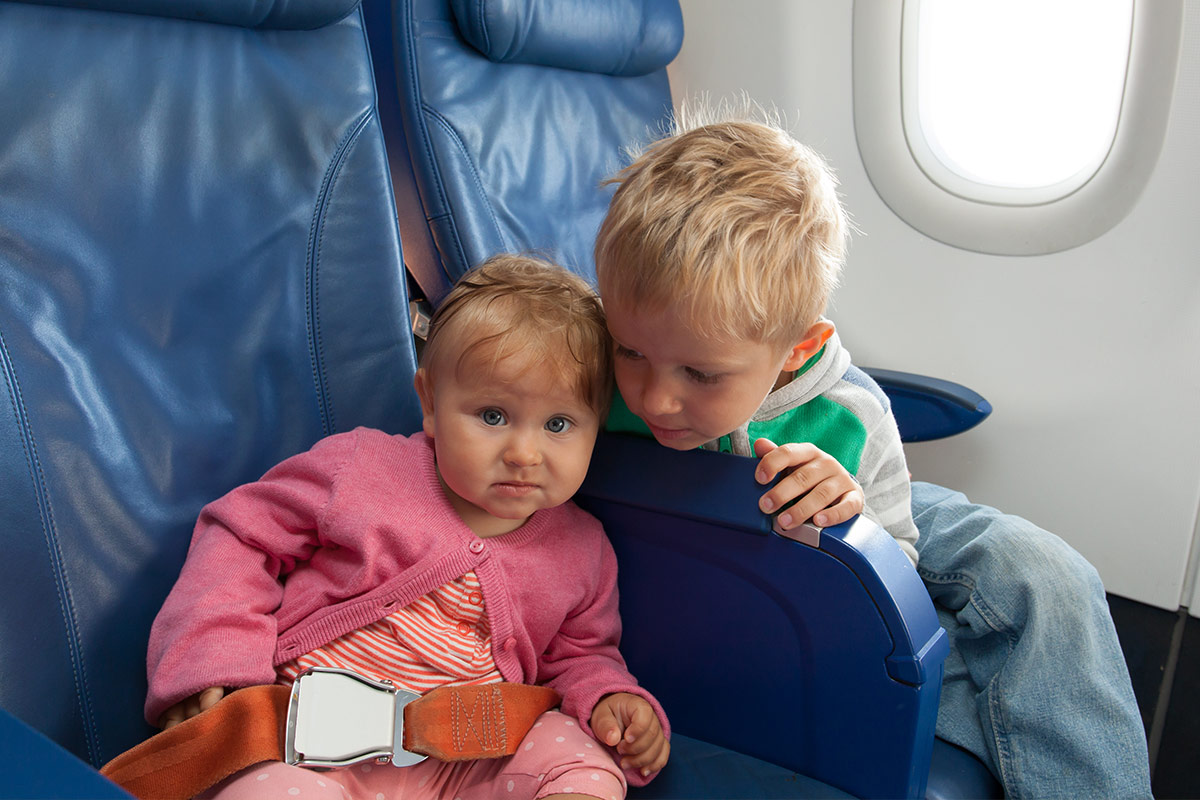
(555, 757)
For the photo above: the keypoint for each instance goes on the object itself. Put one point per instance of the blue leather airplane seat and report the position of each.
(200, 275)
(506, 151)
(826, 660)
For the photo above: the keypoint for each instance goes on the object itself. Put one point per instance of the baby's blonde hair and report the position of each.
(734, 223)
(519, 306)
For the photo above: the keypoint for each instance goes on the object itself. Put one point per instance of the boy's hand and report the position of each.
(628, 723)
(186, 709)
(828, 495)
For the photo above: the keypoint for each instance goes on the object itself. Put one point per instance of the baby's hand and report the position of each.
(186, 709)
(628, 723)
(828, 495)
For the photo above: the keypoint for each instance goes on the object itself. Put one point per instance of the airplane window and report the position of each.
(1014, 127)
(1017, 94)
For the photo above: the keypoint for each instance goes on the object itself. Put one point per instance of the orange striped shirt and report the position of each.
(441, 639)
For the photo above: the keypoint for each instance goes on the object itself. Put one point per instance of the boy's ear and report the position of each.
(809, 345)
(424, 387)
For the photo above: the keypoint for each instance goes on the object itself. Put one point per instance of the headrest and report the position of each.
(268, 14)
(610, 37)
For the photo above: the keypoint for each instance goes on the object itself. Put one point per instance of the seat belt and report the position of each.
(278, 723)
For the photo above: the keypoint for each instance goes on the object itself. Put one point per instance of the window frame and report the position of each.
(991, 219)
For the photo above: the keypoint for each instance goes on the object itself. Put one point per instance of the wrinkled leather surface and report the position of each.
(200, 275)
(510, 157)
(267, 14)
(613, 37)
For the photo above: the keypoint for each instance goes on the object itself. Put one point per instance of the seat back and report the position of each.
(513, 114)
(200, 275)
(824, 659)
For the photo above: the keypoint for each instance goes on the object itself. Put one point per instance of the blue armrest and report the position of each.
(819, 659)
(34, 766)
(930, 408)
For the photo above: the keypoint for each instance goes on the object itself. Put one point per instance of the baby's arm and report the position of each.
(630, 724)
(217, 626)
(824, 491)
(583, 662)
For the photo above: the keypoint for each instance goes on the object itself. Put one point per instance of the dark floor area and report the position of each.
(1171, 714)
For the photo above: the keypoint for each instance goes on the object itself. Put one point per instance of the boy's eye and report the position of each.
(702, 377)
(625, 352)
(558, 425)
(492, 416)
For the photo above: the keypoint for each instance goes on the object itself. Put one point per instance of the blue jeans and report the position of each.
(1035, 685)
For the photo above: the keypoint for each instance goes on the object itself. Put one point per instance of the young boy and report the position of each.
(451, 557)
(715, 262)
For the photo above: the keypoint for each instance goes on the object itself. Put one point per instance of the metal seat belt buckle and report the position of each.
(338, 718)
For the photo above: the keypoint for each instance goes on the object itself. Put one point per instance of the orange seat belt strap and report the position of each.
(246, 727)
(243, 728)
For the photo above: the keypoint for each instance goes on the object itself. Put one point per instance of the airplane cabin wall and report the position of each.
(1089, 356)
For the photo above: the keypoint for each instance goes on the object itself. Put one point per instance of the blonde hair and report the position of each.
(524, 307)
(735, 223)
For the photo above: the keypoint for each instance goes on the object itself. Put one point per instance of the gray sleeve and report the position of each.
(883, 475)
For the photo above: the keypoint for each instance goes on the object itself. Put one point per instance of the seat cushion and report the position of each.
(699, 771)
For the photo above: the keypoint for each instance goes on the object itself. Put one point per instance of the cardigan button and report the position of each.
(510, 643)
(476, 547)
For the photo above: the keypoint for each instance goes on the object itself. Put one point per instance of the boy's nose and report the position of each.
(659, 397)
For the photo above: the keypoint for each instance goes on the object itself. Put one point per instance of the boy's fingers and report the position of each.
(815, 489)
(834, 515)
(846, 508)
(777, 459)
(826, 494)
(763, 446)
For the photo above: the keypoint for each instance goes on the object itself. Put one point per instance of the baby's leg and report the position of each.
(555, 758)
(565, 761)
(274, 780)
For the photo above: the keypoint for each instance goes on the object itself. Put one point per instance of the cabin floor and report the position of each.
(1162, 650)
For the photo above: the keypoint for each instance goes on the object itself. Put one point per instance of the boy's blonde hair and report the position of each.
(735, 223)
(524, 307)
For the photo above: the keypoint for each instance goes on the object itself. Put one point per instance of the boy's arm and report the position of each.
(883, 473)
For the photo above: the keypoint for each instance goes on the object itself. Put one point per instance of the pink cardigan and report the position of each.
(340, 536)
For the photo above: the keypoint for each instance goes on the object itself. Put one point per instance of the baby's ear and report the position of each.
(809, 345)
(424, 387)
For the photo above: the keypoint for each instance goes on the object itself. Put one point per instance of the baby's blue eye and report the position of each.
(625, 352)
(492, 416)
(558, 425)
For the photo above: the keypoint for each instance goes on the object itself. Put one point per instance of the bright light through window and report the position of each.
(1021, 93)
